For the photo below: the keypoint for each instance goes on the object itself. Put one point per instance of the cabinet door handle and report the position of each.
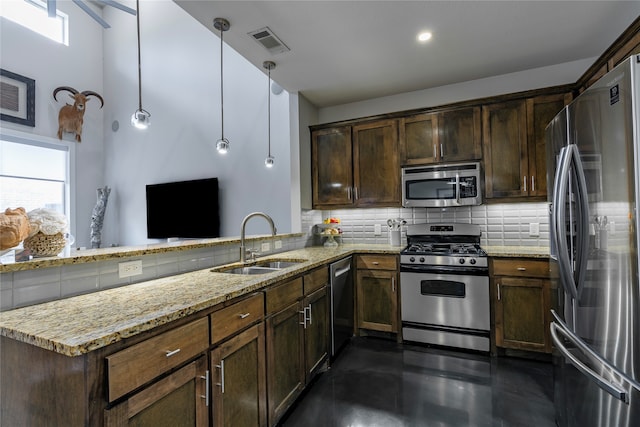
(355, 193)
(393, 284)
(304, 317)
(435, 150)
(524, 182)
(349, 193)
(522, 269)
(441, 151)
(205, 377)
(498, 291)
(309, 307)
(245, 315)
(170, 353)
(533, 183)
(221, 383)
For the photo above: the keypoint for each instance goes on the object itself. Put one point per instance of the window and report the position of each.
(32, 14)
(34, 173)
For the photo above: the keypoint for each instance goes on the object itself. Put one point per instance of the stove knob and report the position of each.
(412, 259)
(421, 259)
(472, 261)
(461, 261)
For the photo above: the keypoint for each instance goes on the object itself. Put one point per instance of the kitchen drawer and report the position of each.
(142, 362)
(520, 267)
(236, 317)
(377, 262)
(282, 295)
(315, 280)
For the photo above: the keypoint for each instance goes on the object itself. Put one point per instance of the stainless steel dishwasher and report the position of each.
(342, 318)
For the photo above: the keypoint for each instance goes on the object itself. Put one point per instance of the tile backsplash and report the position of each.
(506, 224)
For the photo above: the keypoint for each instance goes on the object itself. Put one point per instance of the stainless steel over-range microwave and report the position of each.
(441, 185)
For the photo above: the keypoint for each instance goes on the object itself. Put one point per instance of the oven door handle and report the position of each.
(474, 271)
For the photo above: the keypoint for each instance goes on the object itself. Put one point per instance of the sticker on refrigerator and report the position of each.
(614, 95)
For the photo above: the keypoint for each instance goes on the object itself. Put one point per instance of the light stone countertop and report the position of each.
(517, 251)
(78, 325)
(103, 254)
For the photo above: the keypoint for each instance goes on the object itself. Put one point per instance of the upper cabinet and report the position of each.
(332, 167)
(515, 148)
(356, 166)
(447, 136)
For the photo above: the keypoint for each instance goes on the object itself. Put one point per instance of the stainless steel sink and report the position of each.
(258, 267)
(254, 269)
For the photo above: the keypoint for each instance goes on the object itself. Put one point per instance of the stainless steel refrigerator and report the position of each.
(593, 158)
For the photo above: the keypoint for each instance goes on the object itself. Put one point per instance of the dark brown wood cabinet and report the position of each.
(447, 136)
(238, 364)
(239, 380)
(377, 292)
(514, 146)
(522, 303)
(332, 167)
(297, 337)
(376, 166)
(179, 399)
(356, 166)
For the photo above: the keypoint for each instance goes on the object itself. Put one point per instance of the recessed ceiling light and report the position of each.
(424, 36)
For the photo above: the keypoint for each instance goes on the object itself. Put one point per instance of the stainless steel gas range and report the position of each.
(444, 278)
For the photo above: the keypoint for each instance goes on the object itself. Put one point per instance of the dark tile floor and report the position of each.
(377, 383)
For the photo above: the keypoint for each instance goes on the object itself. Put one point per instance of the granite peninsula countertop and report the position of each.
(80, 324)
(103, 254)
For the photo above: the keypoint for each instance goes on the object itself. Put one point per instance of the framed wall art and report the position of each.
(17, 98)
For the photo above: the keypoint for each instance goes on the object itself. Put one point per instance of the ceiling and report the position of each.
(349, 51)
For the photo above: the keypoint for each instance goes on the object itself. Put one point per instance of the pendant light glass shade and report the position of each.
(222, 25)
(270, 160)
(141, 118)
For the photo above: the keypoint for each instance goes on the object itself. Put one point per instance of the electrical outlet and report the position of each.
(265, 247)
(377, 229)
(277, 244)
(534, 229)
(130, 268)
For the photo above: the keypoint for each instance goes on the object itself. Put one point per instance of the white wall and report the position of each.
(498, 85)
(78, 65)
(181, 90)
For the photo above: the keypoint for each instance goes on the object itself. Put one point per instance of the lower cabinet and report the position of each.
(297, 337)
(522, 303)
(377, 292)
(177, 400)
(239, 381)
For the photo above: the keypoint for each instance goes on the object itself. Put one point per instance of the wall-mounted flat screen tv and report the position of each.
(183, 209)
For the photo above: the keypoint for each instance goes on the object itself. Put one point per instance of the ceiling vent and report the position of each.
(269, 40)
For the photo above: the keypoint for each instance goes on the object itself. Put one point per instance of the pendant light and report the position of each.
(223, 143)
(141, 118)
(270, 160)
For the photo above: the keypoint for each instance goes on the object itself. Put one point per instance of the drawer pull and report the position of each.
(521, 269)
(245, 315)
(376, 263)
(172, 352)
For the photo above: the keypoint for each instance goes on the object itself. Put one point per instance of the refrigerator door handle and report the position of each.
(558, 221)
(611, 388)
(585, 349)
(583, 220)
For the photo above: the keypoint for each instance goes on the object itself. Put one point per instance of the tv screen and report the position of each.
(183, 209)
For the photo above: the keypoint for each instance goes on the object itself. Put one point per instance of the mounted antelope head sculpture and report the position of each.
(71, 117)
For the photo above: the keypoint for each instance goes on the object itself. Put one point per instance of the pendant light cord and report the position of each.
(221, 81)
(139, 60)
(269, 109)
